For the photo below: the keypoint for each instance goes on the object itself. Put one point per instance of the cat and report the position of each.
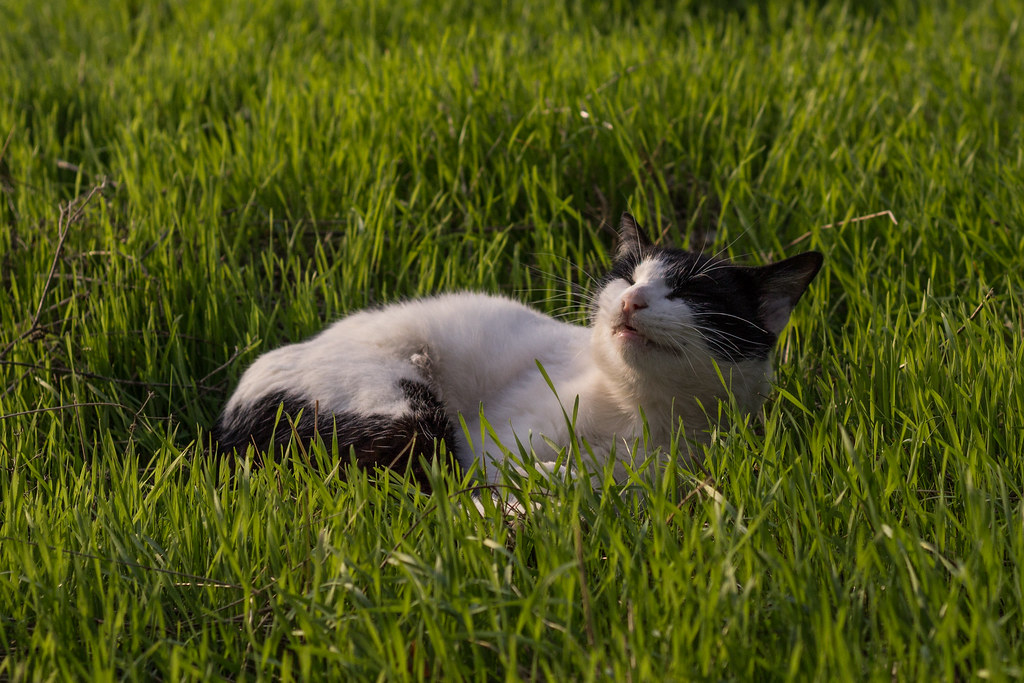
(671, 332)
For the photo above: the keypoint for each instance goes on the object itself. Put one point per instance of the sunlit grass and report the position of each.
(265, 170)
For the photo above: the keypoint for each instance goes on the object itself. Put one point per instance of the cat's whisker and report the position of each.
(720, 332)
(567, 314)
(566, 286)
(702, 266)
(716, 340)
(720, 338)
(551, 299)
(569, 300)
(736, 317)
(680, 350)
(719, 254)
(549, 295)
(566, 259)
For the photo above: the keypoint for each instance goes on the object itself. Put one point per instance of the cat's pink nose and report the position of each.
(633, 300)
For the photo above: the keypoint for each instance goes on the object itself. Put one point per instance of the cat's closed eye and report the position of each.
(692, 294)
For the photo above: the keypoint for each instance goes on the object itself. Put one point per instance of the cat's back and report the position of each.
(456, 323)
(484, 336)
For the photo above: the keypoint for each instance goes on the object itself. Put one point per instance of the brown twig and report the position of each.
(69, 214)
(238, 352)
(433, 506)
(62, 407)
(155, 244)
(66, 220)
(977, 310)
(3, 150)
(15, 383)
(616, 77)
(135, 420)
(588, 614)
(972, 316)
(708, 481)
(103, 252)
(6, 180)
(127, 563)
(858, 219)
(93, 375)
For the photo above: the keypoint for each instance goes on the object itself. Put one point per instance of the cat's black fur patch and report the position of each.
(376, 440)
(724, 297)
(725, 301)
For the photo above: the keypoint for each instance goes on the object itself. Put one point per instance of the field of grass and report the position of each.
(186, 185)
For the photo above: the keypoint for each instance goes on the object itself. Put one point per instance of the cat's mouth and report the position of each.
(629, 333)
(635, 338)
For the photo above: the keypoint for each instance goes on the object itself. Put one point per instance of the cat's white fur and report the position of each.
(478, 350)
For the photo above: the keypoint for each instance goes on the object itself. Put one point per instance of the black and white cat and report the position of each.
(667, 327)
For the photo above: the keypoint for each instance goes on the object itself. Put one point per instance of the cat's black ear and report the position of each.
(632, 238)
(781, 286)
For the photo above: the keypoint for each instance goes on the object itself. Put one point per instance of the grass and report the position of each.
(262, 171)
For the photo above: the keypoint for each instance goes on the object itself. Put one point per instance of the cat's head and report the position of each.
(664, 310)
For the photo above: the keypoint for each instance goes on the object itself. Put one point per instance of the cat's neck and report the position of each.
(620, 399)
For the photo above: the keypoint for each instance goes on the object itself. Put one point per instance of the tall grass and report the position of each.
(185, 186)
